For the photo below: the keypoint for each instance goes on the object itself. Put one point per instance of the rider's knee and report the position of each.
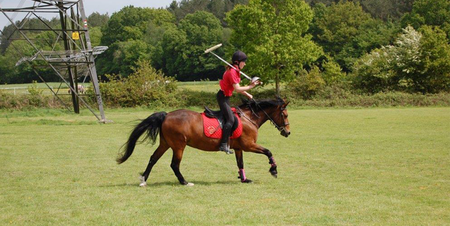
(228, 124)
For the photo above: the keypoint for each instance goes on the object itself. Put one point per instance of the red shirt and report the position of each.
(230, 77)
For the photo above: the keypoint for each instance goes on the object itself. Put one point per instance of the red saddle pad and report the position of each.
(212, 129)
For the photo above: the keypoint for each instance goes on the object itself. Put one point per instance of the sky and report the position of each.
(90, 6)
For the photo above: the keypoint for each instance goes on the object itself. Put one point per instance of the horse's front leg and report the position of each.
(240, 164)
(262, 150)
(273, 165)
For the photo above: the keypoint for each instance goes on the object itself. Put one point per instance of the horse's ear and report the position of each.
(286, 103)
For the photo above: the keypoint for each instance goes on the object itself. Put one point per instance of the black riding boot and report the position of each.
(224, 147)
(224, 104)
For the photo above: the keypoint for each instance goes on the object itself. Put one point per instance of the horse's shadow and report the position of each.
(172, 184)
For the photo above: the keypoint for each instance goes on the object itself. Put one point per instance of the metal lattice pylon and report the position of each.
(72, 34)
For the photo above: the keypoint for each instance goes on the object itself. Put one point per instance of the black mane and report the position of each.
(262, 104)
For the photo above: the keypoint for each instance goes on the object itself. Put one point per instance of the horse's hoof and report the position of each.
(273, 172)
(247, 181)
(143, 182)
(190, 184)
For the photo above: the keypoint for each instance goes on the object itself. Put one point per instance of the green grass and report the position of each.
(205, 86)
(213, 86)
(338, 167)
(23, 88)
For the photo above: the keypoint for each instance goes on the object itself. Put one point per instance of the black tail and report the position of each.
(151, 125)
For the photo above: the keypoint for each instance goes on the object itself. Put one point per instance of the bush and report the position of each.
(335, 91)
(332, 73)
(21, 102)
(199, 99)
(144, 87)
(35, 97)
(306, 85)
(389, 99)
(417, 62)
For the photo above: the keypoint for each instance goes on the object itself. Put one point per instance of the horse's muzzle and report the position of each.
(285, 133)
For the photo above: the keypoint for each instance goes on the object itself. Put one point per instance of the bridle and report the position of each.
(282, 115)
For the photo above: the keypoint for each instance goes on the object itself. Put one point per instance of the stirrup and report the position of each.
(224, 147)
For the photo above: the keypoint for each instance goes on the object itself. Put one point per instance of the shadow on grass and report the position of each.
(173, 184)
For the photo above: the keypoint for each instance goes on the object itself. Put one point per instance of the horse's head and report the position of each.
(273, 110)
(280, 118)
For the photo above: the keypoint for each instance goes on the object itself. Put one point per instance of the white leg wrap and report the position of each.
(143, 183)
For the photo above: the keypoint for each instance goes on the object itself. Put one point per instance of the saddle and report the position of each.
(213, 123)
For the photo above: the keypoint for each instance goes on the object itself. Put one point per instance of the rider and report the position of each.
(228, 84)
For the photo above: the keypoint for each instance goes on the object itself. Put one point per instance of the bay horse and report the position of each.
(184, 127)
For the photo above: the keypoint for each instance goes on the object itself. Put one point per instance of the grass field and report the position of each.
(18, 89)
(212, 86)
(206, 86)
(339, 167)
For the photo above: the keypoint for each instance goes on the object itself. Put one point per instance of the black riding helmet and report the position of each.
(239, 56)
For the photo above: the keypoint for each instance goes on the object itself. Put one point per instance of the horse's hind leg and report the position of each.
(175, 165)
(162, 148)
(240, 164)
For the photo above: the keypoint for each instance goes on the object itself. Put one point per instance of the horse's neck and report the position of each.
(257, 118)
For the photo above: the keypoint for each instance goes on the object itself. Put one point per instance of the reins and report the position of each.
(246, 117)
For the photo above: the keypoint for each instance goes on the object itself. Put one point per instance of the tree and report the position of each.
(435, 54)
(380, 9)
(8, 31)
(46, 41)
(429, 12)
(372, 34)
(417, 62)
(126, 56)
(216, 7)
(95, 33)
(324, 2)
(273, 34)
(126, 34)
(23, 72)
(97, 20)
(16, 47)
(6, 69)
(182, 48)
(128, 23)
(336, 26)
(387, 9)
(185, 7)
(131, 23)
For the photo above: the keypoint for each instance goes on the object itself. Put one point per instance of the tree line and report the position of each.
(368, 46)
